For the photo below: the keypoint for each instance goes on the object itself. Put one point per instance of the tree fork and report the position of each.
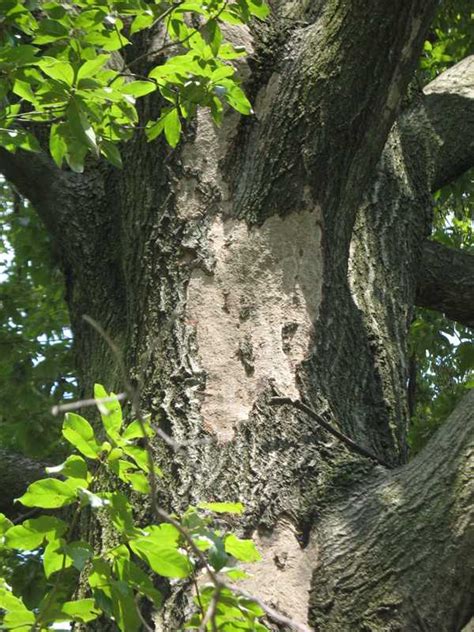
(398, 553)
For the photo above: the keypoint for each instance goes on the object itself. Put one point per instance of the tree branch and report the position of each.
(16, 473)
(446, 282)
(36, 177)
(449, 105)
(399, 553)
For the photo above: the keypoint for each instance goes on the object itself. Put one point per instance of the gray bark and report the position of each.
(398, 552)
(450, 109)
(446, 282)
(16, 473)
(277, 256)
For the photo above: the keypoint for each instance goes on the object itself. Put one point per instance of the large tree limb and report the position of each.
(37, 178)
(399, 554)
(16, 473)
(446, 282)
(449, 105)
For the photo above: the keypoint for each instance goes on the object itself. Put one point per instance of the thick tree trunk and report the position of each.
(279, 257)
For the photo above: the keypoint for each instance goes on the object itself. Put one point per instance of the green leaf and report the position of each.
(124, 607)
(138, 481)
(17, 616)
(235, 574)
(130, 573)
(135, 430)
(81, 126)
(32, 533)
(111, 153)
(139, 455)
(139, 88)
(110, 412)
(465, 356)
(5, 524)
(74, 467)
(142, 21)
(167, 562)
(59, 70)
(54, 558)
(243, 550)
(76, 155)
(221, 73)
(48, 493)
(172, 127)
(92, 66)
(235, 96)
(57, 144)
(80, 434)
(218, 558)
(79, 552)
(163, 535)
(121, 513)
(83, 610)
(258, 8)
(24, 90)
(235, 508)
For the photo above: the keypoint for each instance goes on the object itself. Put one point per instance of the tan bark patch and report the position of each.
(254, 315)
(282, 579)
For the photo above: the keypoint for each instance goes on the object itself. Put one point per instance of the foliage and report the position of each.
(139, 558)
(451, 38)
(65, 64)
(35, 356)
(442, 351)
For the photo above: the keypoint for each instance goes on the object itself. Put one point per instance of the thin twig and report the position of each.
(198, 594)
(355, 447)
(269, 611)
(85, 403)
(135, 401)
(178, 43)
(141, 617)
(210, 616)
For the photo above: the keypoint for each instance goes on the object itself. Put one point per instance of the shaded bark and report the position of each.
(450, 109)
(16, 473)
(398, 552)
(446, 282)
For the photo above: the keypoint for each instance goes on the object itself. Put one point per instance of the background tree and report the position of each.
(279, 258)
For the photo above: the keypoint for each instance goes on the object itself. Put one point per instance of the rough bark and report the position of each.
(446, 282)
(398, 552)
(276, 256)
(16, 473)
(450, 108)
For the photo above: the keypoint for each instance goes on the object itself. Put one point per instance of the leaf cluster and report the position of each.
(62, 64)
(121, 578)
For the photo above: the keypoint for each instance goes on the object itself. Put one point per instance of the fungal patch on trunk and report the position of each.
(254, 313)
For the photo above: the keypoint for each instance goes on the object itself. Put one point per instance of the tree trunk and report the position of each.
(279, 257)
